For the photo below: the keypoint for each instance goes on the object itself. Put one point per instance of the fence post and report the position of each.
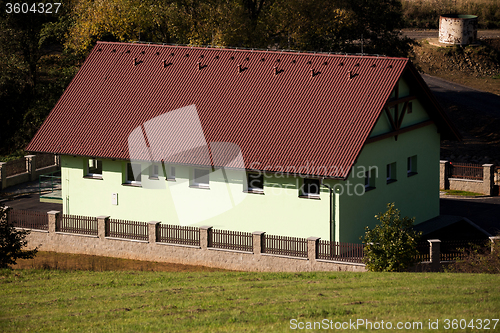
(205, 236)
(102, 226)
(312, 248)
(495, 241)
(53, 217)
(57, 160)
(435, 254)
(258, 241)
(443, 175)
(31, 166)
(488, 178)
(153, 231)
(3, 174)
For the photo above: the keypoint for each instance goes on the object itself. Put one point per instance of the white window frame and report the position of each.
(194, 181)
(154, 174)
(411, 166)
(310, 195)
(249, 188)
(171, 174)
(88, 174)
(133, 182)
(391, 173)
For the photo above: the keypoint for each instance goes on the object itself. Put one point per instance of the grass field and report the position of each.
(132, 301)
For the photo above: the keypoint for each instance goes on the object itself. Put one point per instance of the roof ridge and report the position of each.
(243, 49)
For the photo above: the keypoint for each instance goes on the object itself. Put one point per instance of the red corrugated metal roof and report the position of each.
(279, 121)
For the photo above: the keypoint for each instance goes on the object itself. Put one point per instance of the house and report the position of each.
(290, 143)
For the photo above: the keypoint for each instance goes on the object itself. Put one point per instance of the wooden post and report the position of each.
(153, 233)
(258, 241)
(312, 248)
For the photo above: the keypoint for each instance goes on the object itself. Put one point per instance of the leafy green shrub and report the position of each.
(392, 245)
(12, 242)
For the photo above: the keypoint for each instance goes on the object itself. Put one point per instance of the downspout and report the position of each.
(332, 220)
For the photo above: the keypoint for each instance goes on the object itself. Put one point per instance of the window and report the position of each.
(153, 171)
(409, 108)
(255, 183)
(412, 166)
(133, 174)
(370, 179)
(94, 168)
(200, 178)
(310, 188)
(171, 174)
(391, 173)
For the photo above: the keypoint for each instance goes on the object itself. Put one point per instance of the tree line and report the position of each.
(42, 52)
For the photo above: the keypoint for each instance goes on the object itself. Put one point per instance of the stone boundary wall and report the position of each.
(484, 186)
(203, 255)
(30, 174)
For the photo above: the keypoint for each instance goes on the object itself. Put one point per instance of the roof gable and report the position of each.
(283, 110)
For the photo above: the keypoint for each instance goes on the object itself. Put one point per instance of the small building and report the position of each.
(293, 144)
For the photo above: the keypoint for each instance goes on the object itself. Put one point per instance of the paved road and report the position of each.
(464, 96)
(434, 33)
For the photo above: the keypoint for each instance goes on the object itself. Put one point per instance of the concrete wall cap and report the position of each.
(488, 165)
(258, 232)
(103, 217)
(53, 212)
(205, 227)
(313, 238)
(29, 156)
(154, 222)
(443, 161)
(434, 241)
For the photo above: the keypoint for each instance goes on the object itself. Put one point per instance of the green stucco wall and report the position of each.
(225, 205)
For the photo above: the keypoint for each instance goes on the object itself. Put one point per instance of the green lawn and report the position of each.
(86, 301)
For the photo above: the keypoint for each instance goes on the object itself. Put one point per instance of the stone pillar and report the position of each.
(258, 242)
(312, 248)
(57, 160)
(488, 178)
(495, 242)
(443, 175)
(3, 175)
(53, 217)
(102, 226)
(435, 254)
(205, 237)
(153, 227)
(31, 166)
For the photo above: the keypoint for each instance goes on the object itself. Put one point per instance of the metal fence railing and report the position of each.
(127, 229)
(347, 252)
(76, 224)
(177, 234)
(287, 246)
(28, 219)
(466, 171)
(231, 240)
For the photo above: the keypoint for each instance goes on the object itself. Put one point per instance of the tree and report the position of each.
(392, 245)
(12, 242)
